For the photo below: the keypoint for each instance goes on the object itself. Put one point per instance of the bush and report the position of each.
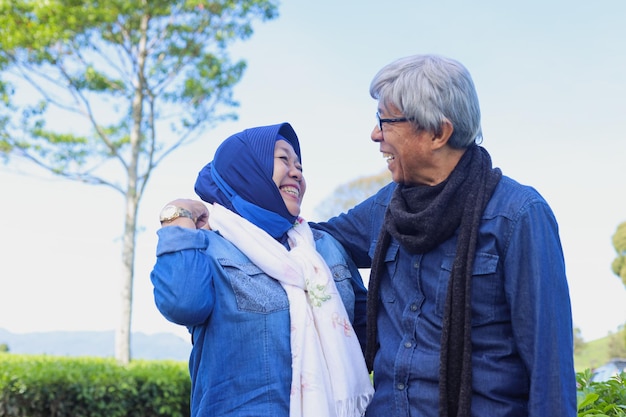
(47, 386)
(38, 386)
(601, 399)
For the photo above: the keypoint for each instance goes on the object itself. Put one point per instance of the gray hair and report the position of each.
(429, 90)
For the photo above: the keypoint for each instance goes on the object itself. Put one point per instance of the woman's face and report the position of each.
(288, 176)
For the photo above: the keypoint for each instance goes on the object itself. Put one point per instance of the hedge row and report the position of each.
(47, 386)
(601, 399)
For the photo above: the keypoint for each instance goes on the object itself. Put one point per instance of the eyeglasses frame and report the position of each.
(393, 120)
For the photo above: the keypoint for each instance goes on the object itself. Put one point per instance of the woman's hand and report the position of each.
(198, 210)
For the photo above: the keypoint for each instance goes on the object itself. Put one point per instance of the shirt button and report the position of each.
(413, 307)
(400, 386)
(408, 344)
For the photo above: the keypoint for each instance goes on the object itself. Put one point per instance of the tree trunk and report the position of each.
(133, 196)
(122, 337)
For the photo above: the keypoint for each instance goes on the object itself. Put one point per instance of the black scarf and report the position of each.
(420, 218)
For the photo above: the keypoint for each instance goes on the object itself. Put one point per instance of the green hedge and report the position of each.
(601, 399)
(48, 386)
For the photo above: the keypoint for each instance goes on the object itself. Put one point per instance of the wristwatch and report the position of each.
(171, 212)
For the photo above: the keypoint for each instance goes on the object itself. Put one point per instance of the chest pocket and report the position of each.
(387, 293)
(391, 255)
(255, 291)
(485, 287)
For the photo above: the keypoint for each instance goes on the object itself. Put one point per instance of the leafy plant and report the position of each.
(601, 399)
(40, 385)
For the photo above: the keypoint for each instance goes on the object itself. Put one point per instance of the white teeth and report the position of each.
(389, 157)
(291, 190)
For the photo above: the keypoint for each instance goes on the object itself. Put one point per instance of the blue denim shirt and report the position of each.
(240, 363)
(522, 333)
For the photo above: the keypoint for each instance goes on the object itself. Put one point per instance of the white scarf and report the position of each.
(329, 376)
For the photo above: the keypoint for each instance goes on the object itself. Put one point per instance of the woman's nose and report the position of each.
(295, 172)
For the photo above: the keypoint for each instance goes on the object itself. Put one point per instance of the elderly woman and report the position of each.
(274, 309)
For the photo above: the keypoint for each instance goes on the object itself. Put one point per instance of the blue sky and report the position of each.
(551, 77)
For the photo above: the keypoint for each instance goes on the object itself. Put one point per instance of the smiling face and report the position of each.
(288, 176)
(408, 151)
(415, 156)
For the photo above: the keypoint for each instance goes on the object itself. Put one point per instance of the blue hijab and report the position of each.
(240, 177)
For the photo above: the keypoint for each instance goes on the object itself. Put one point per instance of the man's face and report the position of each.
(408, 151)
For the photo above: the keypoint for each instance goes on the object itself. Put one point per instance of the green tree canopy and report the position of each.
(101, 92)
(619, 243)
(139, 76)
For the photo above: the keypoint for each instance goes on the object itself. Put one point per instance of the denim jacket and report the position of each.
(238, 317)
(522, 333)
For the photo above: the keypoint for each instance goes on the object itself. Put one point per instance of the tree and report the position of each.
(619, 243)
(348, 195)
(617, 343)
(579, 342)
(135, 78)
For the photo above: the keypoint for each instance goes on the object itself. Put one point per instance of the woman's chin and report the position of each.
(293, 209)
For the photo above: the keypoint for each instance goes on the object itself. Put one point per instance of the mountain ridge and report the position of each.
(158, 346)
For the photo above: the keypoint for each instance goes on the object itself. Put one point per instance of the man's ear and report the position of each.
(440, 138)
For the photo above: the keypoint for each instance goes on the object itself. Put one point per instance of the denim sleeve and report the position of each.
(537, 288)
(182, 276)
(360, 308)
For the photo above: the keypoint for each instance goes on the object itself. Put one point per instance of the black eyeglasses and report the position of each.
(396, 120)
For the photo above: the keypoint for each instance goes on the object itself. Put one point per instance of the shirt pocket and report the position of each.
(391, 264)
(254, 290)
(485, 284)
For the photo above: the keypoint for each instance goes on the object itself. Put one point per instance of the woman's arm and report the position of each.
(182, 276)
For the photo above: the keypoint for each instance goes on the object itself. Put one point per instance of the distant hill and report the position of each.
(595, 353)
(87, 343)
(170, 346)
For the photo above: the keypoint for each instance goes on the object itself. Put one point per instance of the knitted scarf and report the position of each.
(420, 218)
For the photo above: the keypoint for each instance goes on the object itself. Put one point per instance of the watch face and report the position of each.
(168, 212)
